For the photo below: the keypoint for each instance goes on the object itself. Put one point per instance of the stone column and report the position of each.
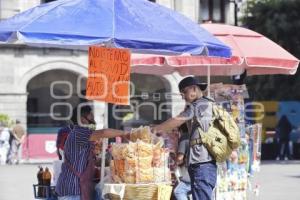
(100, 110)
(177, 104)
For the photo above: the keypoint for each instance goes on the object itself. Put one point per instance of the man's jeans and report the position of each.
(75, 197)
(203, 180)
(182, 190)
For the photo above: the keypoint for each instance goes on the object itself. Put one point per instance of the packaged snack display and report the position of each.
(130, 178)
(160, 157)
(119, 151)
(145, 175)
(161, 174)
(141, 133)
(143, 160)
(144, 149)
(119, 167)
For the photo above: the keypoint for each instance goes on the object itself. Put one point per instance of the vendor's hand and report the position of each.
(180, 159)
(154, 131)
(159, 134)
(97, 147)
(126, 135)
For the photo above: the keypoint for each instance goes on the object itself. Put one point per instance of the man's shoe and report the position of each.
(290, 157)
(281, 158)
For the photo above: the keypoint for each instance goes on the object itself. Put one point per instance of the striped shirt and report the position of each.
(62, 136)
(77, 148)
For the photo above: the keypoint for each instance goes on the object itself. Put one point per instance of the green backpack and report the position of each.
(222, 136)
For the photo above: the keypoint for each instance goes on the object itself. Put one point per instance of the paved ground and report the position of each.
(16, 181)
(277, 180)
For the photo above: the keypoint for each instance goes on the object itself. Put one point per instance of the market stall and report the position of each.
(252, 54)
(135, 163)
(139, 168)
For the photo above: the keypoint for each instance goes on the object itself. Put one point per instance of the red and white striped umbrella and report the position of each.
(185, 65)
(251, 51)
(260, 55)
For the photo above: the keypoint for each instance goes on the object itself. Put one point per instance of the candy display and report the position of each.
(231, 97)
(253, 133)
(234, 174)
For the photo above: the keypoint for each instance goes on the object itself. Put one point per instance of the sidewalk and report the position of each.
(277, 180)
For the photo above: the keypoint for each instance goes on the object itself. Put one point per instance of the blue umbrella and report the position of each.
(140, 25)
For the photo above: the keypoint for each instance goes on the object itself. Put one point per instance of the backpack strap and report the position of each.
(200, 130)
(214, 114)
(209, 99)
(196, 141)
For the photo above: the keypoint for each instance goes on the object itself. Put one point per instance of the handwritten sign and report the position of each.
(109, 75)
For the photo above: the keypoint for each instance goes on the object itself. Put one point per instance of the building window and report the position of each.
(212, 11)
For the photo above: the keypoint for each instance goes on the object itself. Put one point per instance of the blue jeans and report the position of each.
(75, 197)
(97, 194)
(182, 190)
(203, 180)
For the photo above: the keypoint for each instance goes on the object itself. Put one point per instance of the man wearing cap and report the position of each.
(198, 113)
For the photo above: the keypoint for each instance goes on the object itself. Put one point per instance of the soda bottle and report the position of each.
(46, 182)
(40, 181)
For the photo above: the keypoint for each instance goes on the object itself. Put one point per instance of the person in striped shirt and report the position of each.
(62, 136)
(77, 151)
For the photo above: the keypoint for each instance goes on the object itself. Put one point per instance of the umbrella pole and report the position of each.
(103, 150)
(102, 173)
(208, 80)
